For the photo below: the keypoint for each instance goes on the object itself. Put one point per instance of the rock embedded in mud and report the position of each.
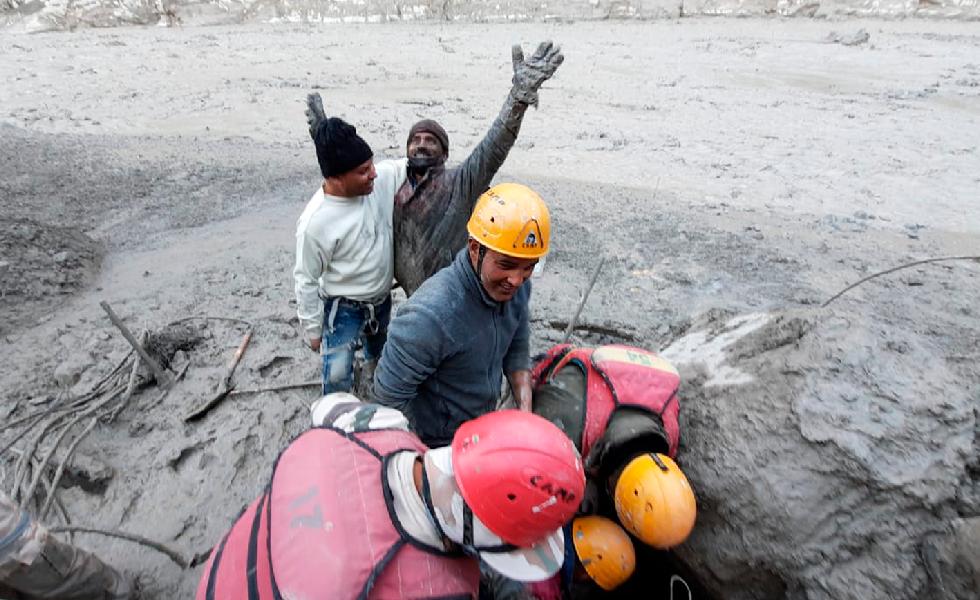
(812, 449)
(88, 472)
(70, 371)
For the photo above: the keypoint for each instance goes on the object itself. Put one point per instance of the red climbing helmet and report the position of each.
(519, 474)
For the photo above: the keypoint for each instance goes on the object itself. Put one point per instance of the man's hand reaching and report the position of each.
(314, 111)
(531, 73)
(520, 386)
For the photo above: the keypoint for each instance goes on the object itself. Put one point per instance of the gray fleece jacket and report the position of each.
(447, 350)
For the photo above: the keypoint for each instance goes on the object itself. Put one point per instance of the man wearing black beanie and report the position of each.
(434, 203)
(339, 149)
(344, 252)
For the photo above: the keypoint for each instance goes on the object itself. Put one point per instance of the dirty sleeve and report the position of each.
(19, 537)
(411, 355)
(472, 177)
(39, 565)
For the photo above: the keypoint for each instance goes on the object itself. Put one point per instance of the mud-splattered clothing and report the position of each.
(430, 215)
(448, 348)
(35, 564)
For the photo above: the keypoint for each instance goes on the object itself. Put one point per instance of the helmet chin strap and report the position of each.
(479, 263)
(478, 269)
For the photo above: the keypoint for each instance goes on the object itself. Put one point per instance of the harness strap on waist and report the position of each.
(371, 324)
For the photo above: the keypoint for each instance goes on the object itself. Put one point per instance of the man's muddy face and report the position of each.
(359, 181)
(501, 275)
(424, 145)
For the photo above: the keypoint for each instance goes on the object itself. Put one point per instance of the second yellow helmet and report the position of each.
(511, 219)
(604, 549)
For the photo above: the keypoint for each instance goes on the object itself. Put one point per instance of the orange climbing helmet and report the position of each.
(605, 551)
(655, 502)
(511, 219)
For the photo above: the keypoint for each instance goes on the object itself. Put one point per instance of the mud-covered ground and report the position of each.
(722, 167)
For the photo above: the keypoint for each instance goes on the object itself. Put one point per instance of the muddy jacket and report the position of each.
(35, 564)
(448, 349)
(430, 216)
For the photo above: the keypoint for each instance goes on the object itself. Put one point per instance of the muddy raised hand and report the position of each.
(314, 111)
(531, 73)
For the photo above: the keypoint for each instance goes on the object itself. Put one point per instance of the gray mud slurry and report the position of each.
(724, 169)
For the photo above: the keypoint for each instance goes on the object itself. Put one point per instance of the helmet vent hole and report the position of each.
(599, 556)
(636, 492)
(511, 497)
(491, 220)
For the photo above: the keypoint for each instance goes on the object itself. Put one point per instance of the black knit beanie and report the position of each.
(338, 147)
(430, 126)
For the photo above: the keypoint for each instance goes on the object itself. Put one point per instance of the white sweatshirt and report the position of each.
(345, 246)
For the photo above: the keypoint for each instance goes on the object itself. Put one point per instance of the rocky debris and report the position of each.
(70, 371)
(87, 471)
(42, 265)
(56, 15)
(849, 39)
(827, 465)
(165, 344)
(952, 560)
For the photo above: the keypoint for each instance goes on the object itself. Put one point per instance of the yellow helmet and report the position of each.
(513, 220)
(605, 550)
(655, 502)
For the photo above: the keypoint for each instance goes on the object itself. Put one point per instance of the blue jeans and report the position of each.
(346, 328)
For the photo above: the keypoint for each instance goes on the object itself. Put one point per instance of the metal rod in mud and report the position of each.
(277, 388)
(581, 305)
(163, 380)
(892, 270)
(173, 555)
